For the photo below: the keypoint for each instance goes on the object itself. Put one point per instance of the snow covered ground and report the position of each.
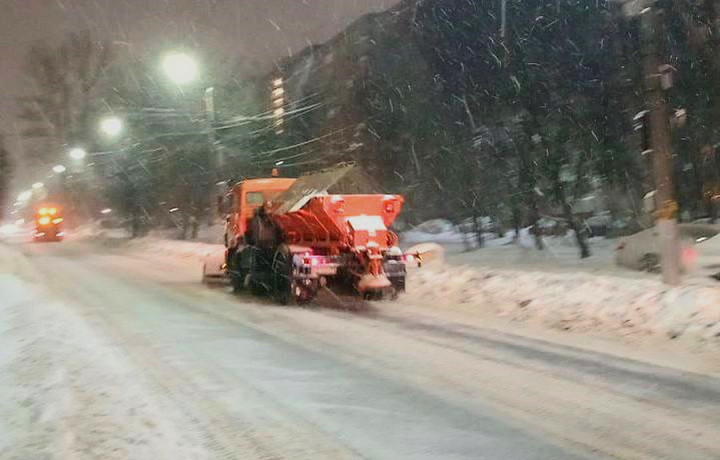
(67, 392)
(553, 289)
(119, 352)
(560, 252)
(596, 304)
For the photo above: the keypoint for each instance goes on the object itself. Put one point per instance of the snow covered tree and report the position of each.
(5, 173)
(63, 80)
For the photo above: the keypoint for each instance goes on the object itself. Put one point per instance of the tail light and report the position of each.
(313, 260)
(389, 207)
(44, 220)
(689, 256)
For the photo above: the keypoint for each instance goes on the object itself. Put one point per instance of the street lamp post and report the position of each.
(24, 196)
(77, 153)
(216, 160)
(182, 69)
(60, 171)
(111, 126)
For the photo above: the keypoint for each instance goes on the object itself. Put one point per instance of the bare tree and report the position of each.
(63, 78)
(4, 174)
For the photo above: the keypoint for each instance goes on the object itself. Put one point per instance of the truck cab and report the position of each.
(243, 200)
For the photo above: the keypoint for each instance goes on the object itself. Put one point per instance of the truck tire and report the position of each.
(284, 289)
(237, 274)
(398, 283)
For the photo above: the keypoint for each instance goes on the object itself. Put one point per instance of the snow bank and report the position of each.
(574, 301)
(443, 231)
(95, 230)
(574, 297)
(206, 234)
(177, 248)
(67, 392)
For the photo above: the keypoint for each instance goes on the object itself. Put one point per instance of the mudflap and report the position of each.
(287, 287)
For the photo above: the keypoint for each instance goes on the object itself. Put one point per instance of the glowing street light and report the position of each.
(180, 68)
(76, 154)
(24, 196)
(111, 126)
(58, 169)
(38, 185)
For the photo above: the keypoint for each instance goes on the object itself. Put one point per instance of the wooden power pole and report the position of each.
(655, 82)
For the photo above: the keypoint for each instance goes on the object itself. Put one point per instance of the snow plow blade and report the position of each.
(214, 270)
(308, 187)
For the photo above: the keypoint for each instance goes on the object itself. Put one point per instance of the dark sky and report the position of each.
(252, 30)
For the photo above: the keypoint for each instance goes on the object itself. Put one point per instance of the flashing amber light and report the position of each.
(44, 220)
(43, 211)
(53, 211)
(57, 220)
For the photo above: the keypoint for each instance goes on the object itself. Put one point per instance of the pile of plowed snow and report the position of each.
(179, 248)
(574, 301)
(571, 300)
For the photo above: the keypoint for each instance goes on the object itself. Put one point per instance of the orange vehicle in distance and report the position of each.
(48, 224)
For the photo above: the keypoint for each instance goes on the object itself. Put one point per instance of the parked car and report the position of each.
(435, 227)
(641, 251)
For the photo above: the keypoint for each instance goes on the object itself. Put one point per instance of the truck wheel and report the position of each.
(237, 275)
(257, 288)
(398, 284)
(284, 288)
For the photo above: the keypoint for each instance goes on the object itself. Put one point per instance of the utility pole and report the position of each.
(215, 160)
(651, 23)
(503, 20)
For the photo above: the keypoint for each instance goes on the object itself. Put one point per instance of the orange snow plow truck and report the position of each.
(289, 238)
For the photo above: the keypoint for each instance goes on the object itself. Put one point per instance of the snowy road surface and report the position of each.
(109, 355)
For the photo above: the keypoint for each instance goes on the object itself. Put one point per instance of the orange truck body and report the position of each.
(337, 223)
